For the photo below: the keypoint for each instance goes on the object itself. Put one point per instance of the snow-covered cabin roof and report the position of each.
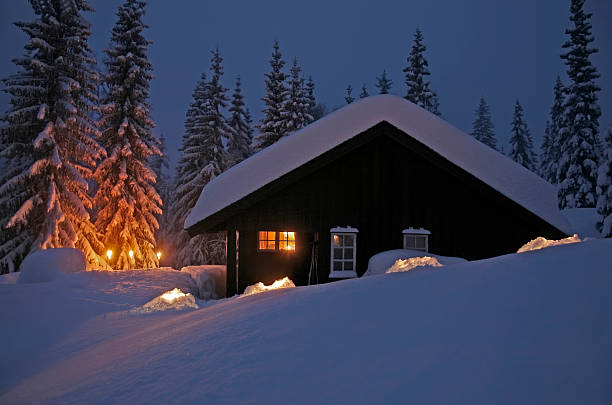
(414, 231)
(291, 152)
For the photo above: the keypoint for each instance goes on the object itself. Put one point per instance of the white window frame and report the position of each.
(343, 273)
(416, 233)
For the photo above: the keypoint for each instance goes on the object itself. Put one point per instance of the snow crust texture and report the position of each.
(403, 258)
(403, 265)
(259, 287)
(174, 299)
(209, 279)
(541, 243)
(50, 264)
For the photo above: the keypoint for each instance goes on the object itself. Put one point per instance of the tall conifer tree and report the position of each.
(383, 83)
(482, 127)
(521, 141)
(295, 114)
(127, 201)
(579, 137)
(549, 160)
(310, 97)
(604, 190)
(349, 95)
(416, 71)
(271, 125)
(239, 144)
(364, 92)
(49, 141)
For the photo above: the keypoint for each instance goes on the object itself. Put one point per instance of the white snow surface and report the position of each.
(347, 229)
(174, 299)
(402, 265)
(50, 264)
(291, 152)
(415, 231)
(260, 287)
(583, 221)
(383, 261)
(209, 279)
(541, 243)
(516, 329)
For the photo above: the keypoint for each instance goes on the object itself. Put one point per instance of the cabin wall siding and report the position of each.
(385, 184)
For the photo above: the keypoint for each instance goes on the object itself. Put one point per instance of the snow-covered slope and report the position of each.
(530, 328)
(488, 165)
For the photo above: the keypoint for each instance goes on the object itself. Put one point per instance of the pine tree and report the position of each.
(364, 92)
(521, 141)
(604, 190)
(203, 158)
(271, 125)
(49, 140)
(239, 144)
(419, 91)
(161, 167)
(349, 95)
(294, 113)
(310, 97)
(482, 127)
(127, 201)
(579, 137)
(383, 83)
(550, 156)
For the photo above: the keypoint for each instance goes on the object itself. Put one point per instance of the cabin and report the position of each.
(379, 174)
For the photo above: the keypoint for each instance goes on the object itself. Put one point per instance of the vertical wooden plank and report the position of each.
(231, 281)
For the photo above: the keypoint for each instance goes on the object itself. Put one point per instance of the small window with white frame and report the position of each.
(416, 239)
(343, 252)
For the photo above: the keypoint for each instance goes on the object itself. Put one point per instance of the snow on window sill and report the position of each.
(342, 274)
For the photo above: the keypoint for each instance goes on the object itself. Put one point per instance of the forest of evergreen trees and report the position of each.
(84, 168)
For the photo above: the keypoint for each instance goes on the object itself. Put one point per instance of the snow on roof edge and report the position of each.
(497, 170)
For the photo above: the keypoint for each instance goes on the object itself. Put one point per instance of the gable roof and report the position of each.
(498, 171)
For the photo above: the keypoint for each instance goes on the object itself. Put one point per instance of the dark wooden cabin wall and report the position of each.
(382, 187)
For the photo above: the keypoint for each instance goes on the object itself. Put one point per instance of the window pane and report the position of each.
(337, 240)
(262, 235)
(348, 265)
(271, 236)
(291, 236)
(349, 240)
(337, 265)
(282, 244)
(271, 244)
(262, 244)
(337, 253)
(348, 253)
(409, 242)
(420, 242)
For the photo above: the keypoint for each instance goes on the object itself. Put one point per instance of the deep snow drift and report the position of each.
(529, 328)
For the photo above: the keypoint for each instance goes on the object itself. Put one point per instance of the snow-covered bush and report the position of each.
(210, 280)
(402, 265)
(381, 262)
(257, 288)
(541, 243)
(46, 265)
(174, 299)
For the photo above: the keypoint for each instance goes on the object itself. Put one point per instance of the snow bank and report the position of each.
(46, 265)
(583, 221)
(174, 299)
(260, 287)
(209, 279)
(541, 243)
(10, 278)
(381, 262)
(403, 265)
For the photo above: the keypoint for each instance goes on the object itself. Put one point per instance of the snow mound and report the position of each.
(47, 265)
(541, 243)
(209, 279)
(583, 221)
(260, 287)
(10, 278)
(402, 265)
(381, 262)
(174, 299)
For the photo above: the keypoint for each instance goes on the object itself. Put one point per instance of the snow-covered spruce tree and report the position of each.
(604, 190)
(295, 114)
(521, 142)
(127, 202)
(271, 125)
(416, 71)
(164, 186)
(349, 95)
(383, 84)
(239, 143)
(203, 158)
(49, 141)
(482, 127)
(364, 92)
(579, 137)
(549, 159)
(310, 97)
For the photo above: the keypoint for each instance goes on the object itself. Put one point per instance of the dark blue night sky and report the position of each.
(500, 50)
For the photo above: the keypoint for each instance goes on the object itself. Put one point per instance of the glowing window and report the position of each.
(267, 240)
(286, 241)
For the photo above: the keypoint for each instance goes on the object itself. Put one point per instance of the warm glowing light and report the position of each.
(158, 255)
(131, 254)
(260, 287)
(109, 254)
(170, 296)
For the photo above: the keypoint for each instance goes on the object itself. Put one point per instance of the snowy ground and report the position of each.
(529, 328)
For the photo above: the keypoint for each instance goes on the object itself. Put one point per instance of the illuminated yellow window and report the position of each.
(286, 241)
(267, 240)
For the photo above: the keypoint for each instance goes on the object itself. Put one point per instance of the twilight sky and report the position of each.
(502, 50)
